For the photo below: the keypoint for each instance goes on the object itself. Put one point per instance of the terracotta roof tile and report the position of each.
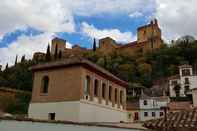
(183, 119)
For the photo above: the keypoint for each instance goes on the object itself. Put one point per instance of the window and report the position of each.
(110, 90)
(96, 86)
(121, 97)
(186, 80)
(116, 95)
(51, 116)
(103, 90)
(145, 114)
(153, 114)
(174, 82)
(145, 102)
(161, 113)
(186, 72)
(87, 85)
(45, 84)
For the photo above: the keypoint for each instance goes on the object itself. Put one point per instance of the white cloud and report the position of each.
(177, 17)
(51, 16)
(116, 34)
(136, 14)
(26, 45)
(94, 7)
(45, 15)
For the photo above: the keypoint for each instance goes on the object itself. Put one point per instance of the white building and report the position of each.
(194, 97)
(185, 81)
(77, 90)
(150, 107)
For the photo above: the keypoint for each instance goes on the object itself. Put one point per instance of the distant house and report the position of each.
(182, 83)
(75, 89)
(150, 107)
(146, 108)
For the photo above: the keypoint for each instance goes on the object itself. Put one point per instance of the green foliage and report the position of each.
(15, 105)
(48, 53)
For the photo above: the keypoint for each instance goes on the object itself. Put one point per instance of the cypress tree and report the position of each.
(48, 54)
(6, 67)
(94, 45)
(16, 60)
(55, 55)
(23, 59)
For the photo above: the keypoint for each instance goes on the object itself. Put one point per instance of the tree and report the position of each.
(60, 54)
(6, 67)
(94, 45)
(23, 59)
(55, 55)
(48, 53)
(16, 60)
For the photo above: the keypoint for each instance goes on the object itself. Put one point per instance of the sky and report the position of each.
(27, 26)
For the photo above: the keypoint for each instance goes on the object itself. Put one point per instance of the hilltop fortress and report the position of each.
(148, 39)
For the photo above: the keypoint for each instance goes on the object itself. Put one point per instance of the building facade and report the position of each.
(150, 107)
(77, 90)
(181, 84)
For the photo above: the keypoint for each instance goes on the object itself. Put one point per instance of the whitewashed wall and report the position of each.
(7, 125)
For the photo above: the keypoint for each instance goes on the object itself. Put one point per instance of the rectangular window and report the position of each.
(186, 72)
(103, 90)
(145, 102)
(51, 116)
(146, 114)
(161, 113)
(153, 114)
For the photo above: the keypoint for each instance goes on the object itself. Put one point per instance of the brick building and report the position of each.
(77, 90)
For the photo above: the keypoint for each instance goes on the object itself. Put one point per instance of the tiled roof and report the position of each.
(182, 119)
(185, 66)
(174, 77)
(78, 61)
(182, 105)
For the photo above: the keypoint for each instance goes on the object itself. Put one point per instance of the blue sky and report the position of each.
(29, 26)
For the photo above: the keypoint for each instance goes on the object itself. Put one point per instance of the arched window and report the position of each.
(45, 84)
(87, 85)
(103, 90)
(116, 95)
(110, 91)
(121, 97)
(96, 84)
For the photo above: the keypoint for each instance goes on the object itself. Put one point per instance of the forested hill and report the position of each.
(137, 68)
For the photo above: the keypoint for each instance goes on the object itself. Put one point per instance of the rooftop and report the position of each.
(79, 61)
(178, 120)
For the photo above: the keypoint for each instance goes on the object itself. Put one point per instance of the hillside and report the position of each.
(138, 68)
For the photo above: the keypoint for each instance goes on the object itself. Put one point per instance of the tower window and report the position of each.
(45, 84)
(186, 72)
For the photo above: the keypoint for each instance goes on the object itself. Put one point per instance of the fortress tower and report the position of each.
(149, 36)
(61, 45)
